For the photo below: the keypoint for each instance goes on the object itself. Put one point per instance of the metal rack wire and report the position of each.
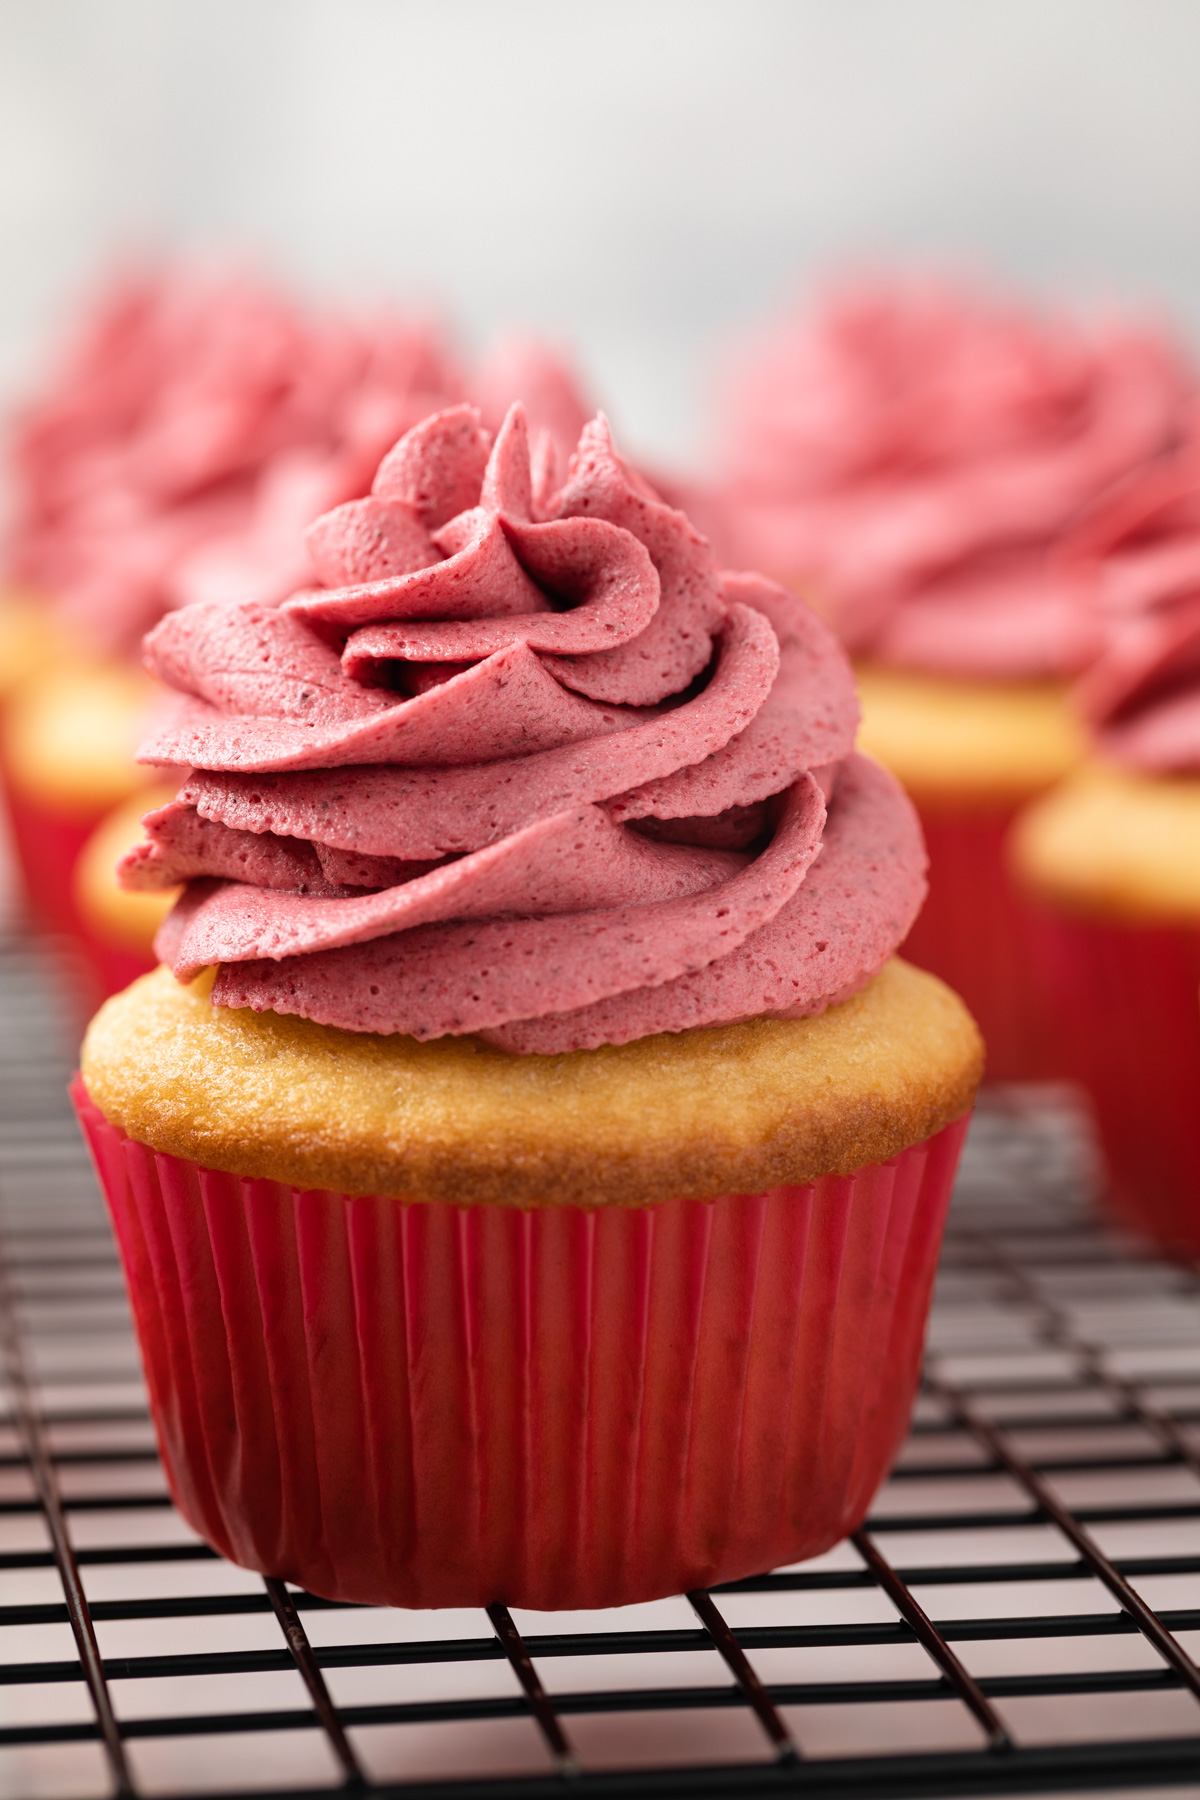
(1019, 1615)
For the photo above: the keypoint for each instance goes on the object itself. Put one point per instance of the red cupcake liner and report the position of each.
(976, 932)
(1128, 997)
(47, 845)
(417, 1404)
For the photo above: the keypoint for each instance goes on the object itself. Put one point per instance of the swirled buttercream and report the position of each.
(1138, 557)
(911, 454)
(526, 763)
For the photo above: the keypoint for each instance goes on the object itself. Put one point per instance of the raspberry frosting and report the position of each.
(1138, 555)
(911, 454)
(407, 376)
(527, 763)
(198, 423)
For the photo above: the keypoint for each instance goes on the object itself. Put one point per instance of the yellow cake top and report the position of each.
(723, 1109)
(954, 741)
(30, 638)
(1115, 843)
(71, 734)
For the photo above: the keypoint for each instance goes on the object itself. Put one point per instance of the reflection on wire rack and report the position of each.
(1020, 1614)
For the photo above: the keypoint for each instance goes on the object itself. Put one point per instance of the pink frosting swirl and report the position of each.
(912, 454)
(1138, 555)
(526, 764)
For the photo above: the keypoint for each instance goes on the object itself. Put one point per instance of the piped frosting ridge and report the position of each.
(524, 761)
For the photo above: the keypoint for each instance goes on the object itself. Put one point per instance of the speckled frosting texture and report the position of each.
(912, 453)
(526, 764)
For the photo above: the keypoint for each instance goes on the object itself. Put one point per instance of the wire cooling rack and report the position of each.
(1019, 1614)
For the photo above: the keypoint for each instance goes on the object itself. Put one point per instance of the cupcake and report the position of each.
(530, 1165)
(1113, 855)
(910, 456)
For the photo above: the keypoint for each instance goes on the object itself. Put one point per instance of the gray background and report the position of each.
(633, 176)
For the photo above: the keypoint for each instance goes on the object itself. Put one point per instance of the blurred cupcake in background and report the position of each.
(192, 411)
(1113, 855)
(909, 454)
(391, 371)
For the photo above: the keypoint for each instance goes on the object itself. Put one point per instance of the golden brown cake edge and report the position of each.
(960, 744)
(1115, 845)
(722, 1109)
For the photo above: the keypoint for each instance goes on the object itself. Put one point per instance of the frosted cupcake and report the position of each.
(910, 455)
(1113, 855)
(531, 1166)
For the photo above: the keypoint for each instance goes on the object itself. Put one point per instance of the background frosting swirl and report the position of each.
(911, 454)
(527, 763)
(1138, 558)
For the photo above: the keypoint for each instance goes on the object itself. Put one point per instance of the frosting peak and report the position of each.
(527, 763)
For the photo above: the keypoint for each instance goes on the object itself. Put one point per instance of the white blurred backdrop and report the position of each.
(631, 176)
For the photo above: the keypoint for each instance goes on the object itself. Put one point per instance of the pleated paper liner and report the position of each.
(417, 1404)
(1128, 997)
(975, 931)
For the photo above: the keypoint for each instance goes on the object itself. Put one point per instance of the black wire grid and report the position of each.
(1019, 1615)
